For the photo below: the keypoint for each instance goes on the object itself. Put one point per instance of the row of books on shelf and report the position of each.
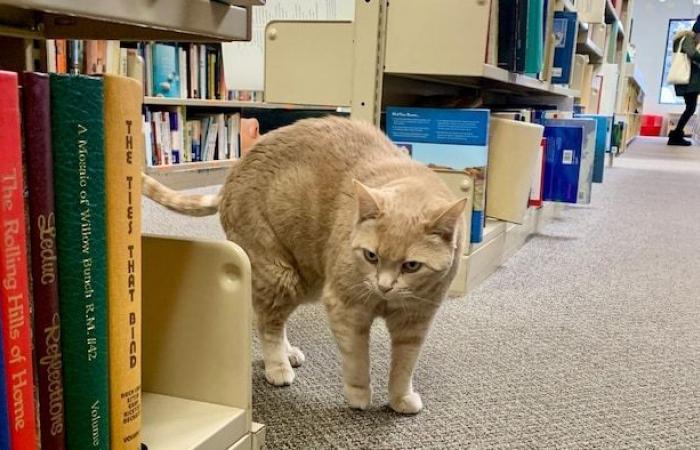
(171, 70)
(559, 154)
(76, 280)
(173, 139)
(530, 37)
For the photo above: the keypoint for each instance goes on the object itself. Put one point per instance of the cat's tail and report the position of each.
(191, 205)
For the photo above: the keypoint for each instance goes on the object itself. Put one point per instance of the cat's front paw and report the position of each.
(407, 404)
(296, 356)
(358, 397)
(279, 375)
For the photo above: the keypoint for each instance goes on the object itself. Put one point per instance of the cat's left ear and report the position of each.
(368, 203)
(446, 222)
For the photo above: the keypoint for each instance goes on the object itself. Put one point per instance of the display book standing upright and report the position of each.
(565, 31)
(570, 156)
(455, 139)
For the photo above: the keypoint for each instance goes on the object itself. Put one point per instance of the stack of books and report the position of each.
(84, 145)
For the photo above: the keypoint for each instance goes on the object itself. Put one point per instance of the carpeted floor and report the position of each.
(589, 337)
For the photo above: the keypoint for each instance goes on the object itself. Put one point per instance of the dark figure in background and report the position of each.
(689, 91)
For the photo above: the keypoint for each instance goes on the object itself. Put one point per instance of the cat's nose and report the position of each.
(385, 288)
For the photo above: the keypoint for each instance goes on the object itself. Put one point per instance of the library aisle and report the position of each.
(588, 337)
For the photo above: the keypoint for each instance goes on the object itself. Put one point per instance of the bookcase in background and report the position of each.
(210, 407)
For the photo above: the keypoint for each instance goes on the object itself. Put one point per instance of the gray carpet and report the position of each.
(589, 337)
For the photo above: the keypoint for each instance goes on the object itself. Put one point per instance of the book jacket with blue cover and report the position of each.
(565, 31)
(166, 75)
(455, 139)
(563, 163)
(602, 143)
(587, 154)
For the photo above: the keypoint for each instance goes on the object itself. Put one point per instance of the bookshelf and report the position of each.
(196, 379)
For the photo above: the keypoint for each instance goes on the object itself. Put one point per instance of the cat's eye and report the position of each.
(371, 257)
(411, 266)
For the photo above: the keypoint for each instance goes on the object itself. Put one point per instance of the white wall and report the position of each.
(649, 36)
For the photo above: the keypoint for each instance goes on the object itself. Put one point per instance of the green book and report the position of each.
(77, 129)
(534, 44)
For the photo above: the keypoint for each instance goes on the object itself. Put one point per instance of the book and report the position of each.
(534, 37)
(134, 65)
(507, 20)
(61, 56)
(14, 288)
(562, 166)
(587, 154)
(96, 57)
(166, 74)
(537, 188)
(521, 26)
(591, 11)
(42, 230)
(173, 126)
(565, 31)
(602, 143)
(513, 150)
(77, 128)
(50, 55)
(492, 38)
(4, 418)
(456, 139)
(123, 156)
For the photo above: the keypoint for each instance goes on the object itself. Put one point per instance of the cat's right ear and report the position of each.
(368, 205)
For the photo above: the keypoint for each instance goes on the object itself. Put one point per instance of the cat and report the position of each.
(330, 209)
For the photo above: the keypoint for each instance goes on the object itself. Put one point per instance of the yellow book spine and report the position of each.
(124, 149)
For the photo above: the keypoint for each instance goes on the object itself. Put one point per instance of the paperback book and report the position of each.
(455, 139)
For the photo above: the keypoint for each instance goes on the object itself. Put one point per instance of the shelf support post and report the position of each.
(368, 67)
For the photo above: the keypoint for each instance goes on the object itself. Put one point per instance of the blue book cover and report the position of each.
(565, 30)
(602, 143)
(562, 164)
(166, 75)
(4, 417)
(174, 139)
(447, 138)
(585, 179)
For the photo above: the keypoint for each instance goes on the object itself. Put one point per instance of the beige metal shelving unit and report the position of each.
(197, 385)
(392, 53)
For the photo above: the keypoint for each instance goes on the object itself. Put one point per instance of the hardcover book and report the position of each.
(166, 75)
(565, 31)
(587, 154)
(454, 139)
(507, 20)
(537, 188)
(77, 128)
(534, 44)
(4, 419)
(521, 27)
(563, 162)
(123, 155)
(42, 230)
(15, 314)
(602, 143)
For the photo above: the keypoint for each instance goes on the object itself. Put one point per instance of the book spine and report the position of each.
(506, 33)
(42, 216)
(123, 154)
(4, 419)
(77, 128)
(202, 71)
(174, 136)
(14, 289)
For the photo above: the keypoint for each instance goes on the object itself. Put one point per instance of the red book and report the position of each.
(14, 289)
(42, 230)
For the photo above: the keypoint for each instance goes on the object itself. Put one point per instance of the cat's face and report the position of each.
(404, 246)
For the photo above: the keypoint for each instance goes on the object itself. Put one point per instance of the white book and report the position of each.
(591, 11)
(202, 71)
(148, 138)
(123, 62)
(182, 136)
(50, 55)
(158, 138)
(182, 67)
(113, 55)
(221, 138)
(165, 133)
(212, 133)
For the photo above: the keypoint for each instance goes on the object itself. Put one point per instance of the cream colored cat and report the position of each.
(330, 209)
